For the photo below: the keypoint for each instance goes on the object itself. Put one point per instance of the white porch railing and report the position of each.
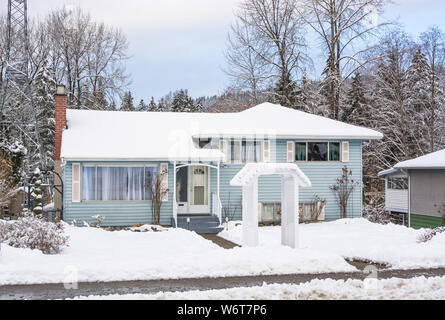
(175, 212)
(217, 207)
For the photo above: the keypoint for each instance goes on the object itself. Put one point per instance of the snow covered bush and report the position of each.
(98, 220)
(429, 234)
(34, 233)
(375, 212)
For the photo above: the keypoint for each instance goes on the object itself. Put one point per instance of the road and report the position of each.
(57, 291)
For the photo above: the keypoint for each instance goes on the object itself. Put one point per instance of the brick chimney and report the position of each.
(60, 98)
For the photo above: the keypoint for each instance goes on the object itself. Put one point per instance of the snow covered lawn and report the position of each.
(392, 289)
(98, 255)
(360, 239)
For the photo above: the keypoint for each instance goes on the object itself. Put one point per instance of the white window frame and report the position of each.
(104, 165)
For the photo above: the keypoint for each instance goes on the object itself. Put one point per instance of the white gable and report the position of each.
(105, 135)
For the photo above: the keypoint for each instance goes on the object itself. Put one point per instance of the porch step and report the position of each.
(199, 224)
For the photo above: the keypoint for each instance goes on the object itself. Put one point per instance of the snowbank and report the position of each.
(360, 239)
(98, 255)
(371, 289)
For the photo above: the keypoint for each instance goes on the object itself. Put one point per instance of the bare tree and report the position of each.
(343, 190)
(345, 27)
(157, 190)
(433, 45)
(88, 56)
(269, 36)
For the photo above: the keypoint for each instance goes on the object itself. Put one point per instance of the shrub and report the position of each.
(375, 212)
(429, 234)
(34, 233)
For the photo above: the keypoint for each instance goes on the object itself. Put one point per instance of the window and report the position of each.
(271, 212)
(300, 151)
(246, 151)
(317, 151)
(205, 143)
(100, 183)
(150, 173)
(398, 183)
(334, 151)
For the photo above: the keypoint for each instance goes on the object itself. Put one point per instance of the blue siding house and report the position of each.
(106, 158)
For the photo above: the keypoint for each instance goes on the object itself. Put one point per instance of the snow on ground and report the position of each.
(392, 289)
(98, 255)
(360, 239)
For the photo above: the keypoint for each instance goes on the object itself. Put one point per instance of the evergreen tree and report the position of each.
(142, 106)
(182, 102)
(152, 106)
(356, 102)
(307, 99)
(285, 93)
(44, 88)
(128, 102)
(37, 195)
(417, 86)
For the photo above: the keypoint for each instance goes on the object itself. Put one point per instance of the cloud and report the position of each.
(153, 14)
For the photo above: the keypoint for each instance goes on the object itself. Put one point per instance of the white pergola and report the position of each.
(292, 179)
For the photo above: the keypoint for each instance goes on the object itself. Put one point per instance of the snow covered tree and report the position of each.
(182, 102)
(433, 45)
(152, 106)
(356, 106)
(346, 29)
(37, 195)
(267, 42)
(128, 102)
(142, 106)
(44, 88)
(417, 86)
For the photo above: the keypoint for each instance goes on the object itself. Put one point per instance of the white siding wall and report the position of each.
(396, 200)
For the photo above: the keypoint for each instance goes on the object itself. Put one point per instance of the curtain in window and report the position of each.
(249, 151)
(88, 183)
(334, 151)
(258, 151)
(235, 151)
(300, 151)
(120, 183)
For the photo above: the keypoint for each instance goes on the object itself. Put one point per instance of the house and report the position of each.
(105, 158)
(415, 189)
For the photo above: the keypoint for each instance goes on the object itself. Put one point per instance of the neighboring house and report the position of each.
(416, 190)
(106, 158)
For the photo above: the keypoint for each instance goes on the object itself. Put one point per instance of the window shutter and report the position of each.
(164, 170)
(345, 151)
(290, 151)
(266, 151)
(75, 180)
(223, 148)
(260, 211)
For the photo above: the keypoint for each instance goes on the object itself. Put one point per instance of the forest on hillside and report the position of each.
(374, 75)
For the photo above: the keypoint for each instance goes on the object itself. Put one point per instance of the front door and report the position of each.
(192, 190)
(199, 190)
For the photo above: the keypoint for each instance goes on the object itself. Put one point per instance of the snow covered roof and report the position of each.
(254, 170)
(102, 135)
(435, 160)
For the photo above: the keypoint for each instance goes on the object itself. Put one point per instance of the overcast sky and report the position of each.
(179, 43)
